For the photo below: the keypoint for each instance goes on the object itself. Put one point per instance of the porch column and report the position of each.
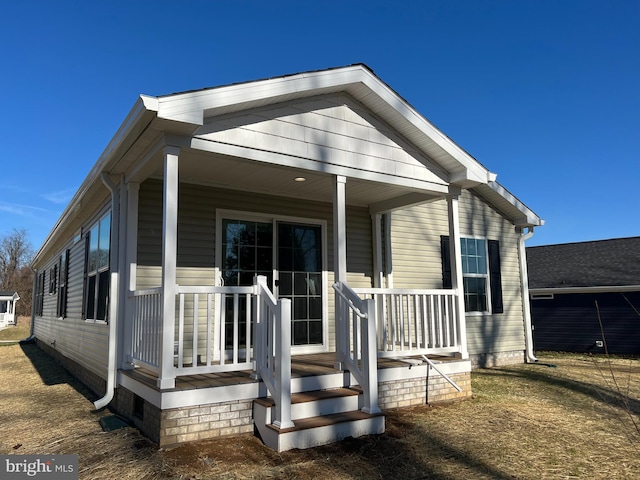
(340, 262)
(456, 268)
(129, 270)
(167, 378)
(378, 268)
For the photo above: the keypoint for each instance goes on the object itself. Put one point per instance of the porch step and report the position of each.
(320, 418)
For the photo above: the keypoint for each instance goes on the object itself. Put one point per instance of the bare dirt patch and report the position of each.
(524, 422)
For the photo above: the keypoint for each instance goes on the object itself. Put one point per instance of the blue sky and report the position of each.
(544, 93)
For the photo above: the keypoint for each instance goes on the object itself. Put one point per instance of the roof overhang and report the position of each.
(505, 202)
(154, 119)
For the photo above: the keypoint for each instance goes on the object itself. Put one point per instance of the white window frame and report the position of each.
(485, 275)
(89, 318)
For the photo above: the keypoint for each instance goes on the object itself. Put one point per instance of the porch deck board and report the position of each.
(301, 366)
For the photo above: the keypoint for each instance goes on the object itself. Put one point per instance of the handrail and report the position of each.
(359, 331)
(442, 374)
(356, 310)
(272, 345)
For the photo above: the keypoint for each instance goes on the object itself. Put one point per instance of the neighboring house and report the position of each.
(303, 233)
(8, 308)
(585, 297)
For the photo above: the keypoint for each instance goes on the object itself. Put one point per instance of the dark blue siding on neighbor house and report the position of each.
(569, 322)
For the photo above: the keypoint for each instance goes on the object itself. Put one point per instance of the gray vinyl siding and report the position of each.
(417, 263)
(196, 234)
(84, 342)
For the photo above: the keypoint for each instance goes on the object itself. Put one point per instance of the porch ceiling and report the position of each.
(254, 176)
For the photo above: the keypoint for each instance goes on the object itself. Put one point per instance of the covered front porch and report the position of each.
(253, 234)
(179, 329)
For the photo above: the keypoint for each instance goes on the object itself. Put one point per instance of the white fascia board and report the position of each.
(528, 217)
(473, 169)
(192, 107)
(136, 115)
(596, 289)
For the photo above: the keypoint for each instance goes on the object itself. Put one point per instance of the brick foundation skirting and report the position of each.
(499, 359)
(423, 390)
(179, 425)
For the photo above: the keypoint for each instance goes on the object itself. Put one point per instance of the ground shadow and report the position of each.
(53, 372)
(598, 393)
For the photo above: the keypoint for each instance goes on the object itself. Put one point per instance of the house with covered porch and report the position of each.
(290, 256)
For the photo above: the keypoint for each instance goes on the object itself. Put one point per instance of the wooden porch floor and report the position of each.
(301, 366)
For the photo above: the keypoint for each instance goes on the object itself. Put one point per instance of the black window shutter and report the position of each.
(495, 277)
(86, 274)
(446, 262)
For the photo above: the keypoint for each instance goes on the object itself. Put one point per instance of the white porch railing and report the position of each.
(209, 342)
(415, 321)
(272, 346)
(146, 328)
(213, 333)
(7, 319)
(357, 323)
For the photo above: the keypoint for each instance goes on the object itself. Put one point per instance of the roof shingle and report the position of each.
(612, 262)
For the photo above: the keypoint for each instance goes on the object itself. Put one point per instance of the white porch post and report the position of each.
(167, 377)
(456, 269)
(340, 263)
(129, 270)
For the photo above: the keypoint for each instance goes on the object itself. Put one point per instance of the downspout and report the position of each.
(31, 336)
(524, 285)
(113, 293)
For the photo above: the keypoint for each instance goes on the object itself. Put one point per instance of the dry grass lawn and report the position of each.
(577, 419)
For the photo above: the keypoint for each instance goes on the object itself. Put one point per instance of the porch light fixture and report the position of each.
(300, 179)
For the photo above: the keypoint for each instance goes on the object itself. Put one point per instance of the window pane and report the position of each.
(475, 294)
(103, 295)
(300, 283)
(315, 307)
(93, 249)
(300, 333)
(315, 332)
(300, 308)
(104, 242)
(91, 297)
(285, 285)
(482, 256)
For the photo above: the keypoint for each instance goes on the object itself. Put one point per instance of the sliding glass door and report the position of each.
(289, 254)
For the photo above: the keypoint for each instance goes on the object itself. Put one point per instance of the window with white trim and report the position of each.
(481, 275)
(97, 250)
(475, 274)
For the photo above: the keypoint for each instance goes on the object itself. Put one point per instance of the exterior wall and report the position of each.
(328, 129)
(80, 341)
(569, 322)
(417, 263)
(197, 236)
